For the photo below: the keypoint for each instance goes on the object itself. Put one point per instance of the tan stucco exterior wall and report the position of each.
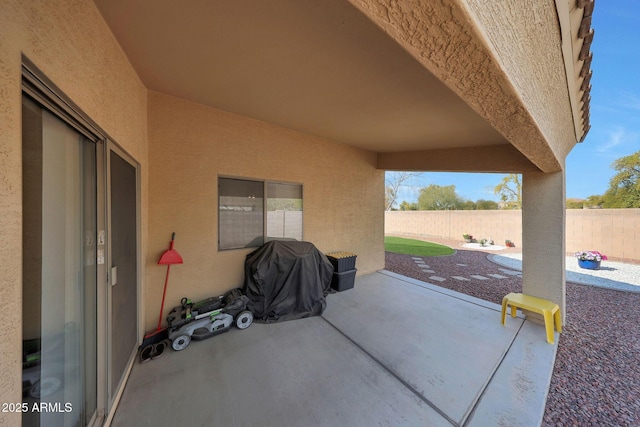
(469, 45)
(71, 44)
(191, 145)
(533, 61)
(543, 226)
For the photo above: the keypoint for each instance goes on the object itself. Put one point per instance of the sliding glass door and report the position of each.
(80, 261)
(59, 269)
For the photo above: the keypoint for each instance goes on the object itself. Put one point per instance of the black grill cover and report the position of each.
(286, 280)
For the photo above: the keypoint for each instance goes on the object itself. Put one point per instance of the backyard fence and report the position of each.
(614, 232)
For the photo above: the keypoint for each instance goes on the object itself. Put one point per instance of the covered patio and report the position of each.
(391, 351)
(192, 107)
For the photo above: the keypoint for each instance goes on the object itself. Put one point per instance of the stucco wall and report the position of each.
(502, 58)
(71, 44)
(614, 232)
(533, 60)
(190, 145)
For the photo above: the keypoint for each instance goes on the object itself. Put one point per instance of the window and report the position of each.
(242, 204)
(284, 211)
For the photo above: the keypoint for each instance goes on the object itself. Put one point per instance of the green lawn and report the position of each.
(415, 247)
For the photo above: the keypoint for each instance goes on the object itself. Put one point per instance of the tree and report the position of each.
(595, 201)
(624, 187)
(575, 203)
(393, 182)
(510, 191)
(486, 205)
(436, 197)
(468, 205)
(406, 206)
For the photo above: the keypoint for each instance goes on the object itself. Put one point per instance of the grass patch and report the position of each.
(400, 245)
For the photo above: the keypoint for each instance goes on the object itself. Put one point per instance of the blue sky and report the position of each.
(615, 112)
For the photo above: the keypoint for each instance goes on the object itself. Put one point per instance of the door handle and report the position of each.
(114, 276)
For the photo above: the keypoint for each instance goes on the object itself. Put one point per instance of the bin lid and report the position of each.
(339, 255)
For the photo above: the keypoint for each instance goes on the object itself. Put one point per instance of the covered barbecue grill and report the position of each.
(286, 280)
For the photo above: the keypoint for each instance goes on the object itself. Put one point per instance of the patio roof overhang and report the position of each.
(415, 77)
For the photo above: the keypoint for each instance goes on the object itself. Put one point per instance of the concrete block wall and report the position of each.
(614, 232)
(495, 225)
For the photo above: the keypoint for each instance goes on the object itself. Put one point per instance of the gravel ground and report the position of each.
(612, 274)
(596, 377)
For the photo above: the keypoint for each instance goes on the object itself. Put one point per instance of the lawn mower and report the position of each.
(199, 320)
(206, 318)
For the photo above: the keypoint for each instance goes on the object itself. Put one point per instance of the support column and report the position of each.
(543, 236)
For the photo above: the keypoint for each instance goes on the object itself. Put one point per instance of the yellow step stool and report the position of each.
(545, 307)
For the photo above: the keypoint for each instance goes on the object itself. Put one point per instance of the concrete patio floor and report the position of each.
(392, 351)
